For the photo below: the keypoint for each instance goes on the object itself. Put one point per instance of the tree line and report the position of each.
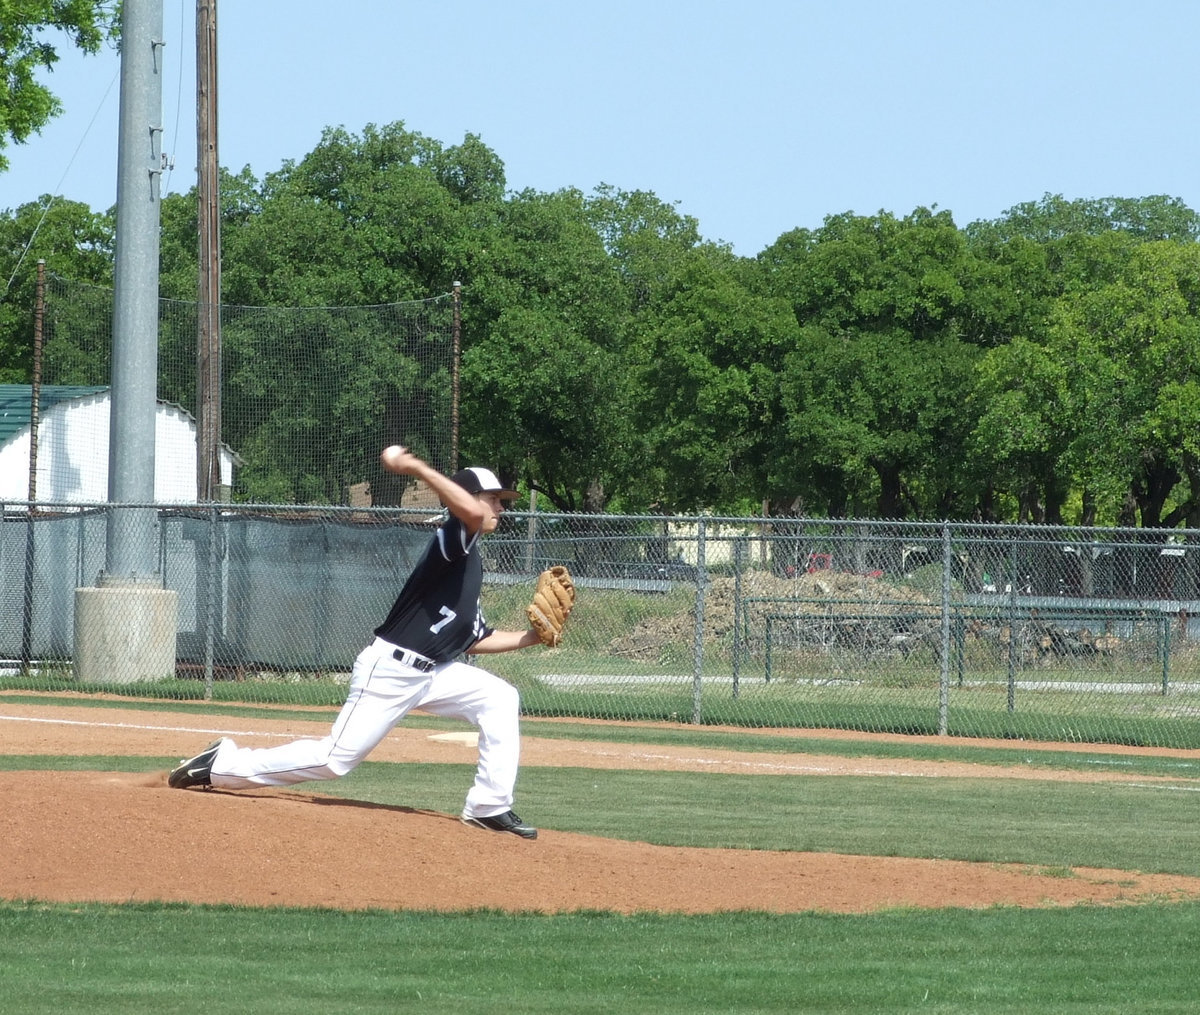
(1040, 367)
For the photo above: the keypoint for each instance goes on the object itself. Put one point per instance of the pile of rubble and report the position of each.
(819, 608)
(1036, 640)
(860, 612)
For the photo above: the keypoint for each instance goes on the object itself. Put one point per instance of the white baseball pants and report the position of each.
(382, 691)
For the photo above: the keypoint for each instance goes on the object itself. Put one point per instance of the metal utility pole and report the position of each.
(208, 336)
(132, 547)
(125, 627)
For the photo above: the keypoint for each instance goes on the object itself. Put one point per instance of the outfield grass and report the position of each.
(167, 958)
(153, 960)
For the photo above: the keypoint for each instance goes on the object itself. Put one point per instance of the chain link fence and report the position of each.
(1061, 634)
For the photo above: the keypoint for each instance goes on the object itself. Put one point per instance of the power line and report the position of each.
(58, 186)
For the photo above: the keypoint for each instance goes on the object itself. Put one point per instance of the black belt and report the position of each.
(413, 659)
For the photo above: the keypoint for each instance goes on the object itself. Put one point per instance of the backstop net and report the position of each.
(308, 396)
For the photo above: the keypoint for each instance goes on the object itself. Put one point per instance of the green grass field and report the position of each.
(148, 958)
(173, 959)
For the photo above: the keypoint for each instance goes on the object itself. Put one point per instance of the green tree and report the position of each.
(27, 105)
(707, 391)
(873, 424)
(699, 344)
(77, 244)
(1135, 387)
(1054, 218)
(544, 379)
(378, 217)
(549, 407)
(617, 354)
(876, 273)
(1046, 407)
(646, 238)
(381, 217)
(1021, 431)
(871, 395)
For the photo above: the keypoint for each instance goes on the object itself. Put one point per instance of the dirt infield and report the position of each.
(117, 837)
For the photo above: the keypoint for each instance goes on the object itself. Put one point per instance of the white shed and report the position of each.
(72, 453)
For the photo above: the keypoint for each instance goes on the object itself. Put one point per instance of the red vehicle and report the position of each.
(824, 562)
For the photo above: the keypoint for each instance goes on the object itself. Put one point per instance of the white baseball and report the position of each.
(391, 457)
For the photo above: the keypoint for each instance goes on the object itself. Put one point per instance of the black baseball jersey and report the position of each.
(438, 613)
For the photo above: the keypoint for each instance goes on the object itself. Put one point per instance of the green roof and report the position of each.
(16, 400)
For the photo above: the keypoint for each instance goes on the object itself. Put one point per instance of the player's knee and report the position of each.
(339, 763)
(503, 705)
(507, 698)
(337, 769)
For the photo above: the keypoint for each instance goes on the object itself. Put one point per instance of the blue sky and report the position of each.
(753, 116)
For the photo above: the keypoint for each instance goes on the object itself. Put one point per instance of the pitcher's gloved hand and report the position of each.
(553, 600)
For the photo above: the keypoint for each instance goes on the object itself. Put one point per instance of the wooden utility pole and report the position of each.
(35, 394)
(456, 354)
(208, 329)
(39, 318)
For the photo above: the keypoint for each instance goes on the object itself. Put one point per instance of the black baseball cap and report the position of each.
(480, 480)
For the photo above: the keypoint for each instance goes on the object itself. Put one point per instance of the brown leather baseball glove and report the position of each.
(553, 600)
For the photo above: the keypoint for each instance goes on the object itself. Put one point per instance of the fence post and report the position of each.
(27, 594)
(1165, 641)
(1012, 627)
(208, 611)
(531, 533)
(770, 620)
(944, 676)
(739, 560)
(698, 650)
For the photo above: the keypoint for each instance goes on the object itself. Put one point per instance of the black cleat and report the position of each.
(195, 771)
(506, 822)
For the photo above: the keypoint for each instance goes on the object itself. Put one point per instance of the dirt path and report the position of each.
(105, 836)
